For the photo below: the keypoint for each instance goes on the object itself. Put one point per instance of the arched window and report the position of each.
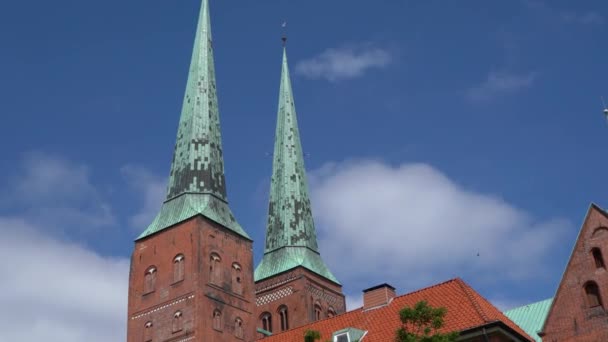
(318, 311)
(178, 323)
(597, 257)
(217, 320)
(266, 319)
(148, 331)
(178, 268)
(331, 312)
(593, 294)
(215, 269)
(150, 279)
(237, 281)
(283, 317)
(238, 327)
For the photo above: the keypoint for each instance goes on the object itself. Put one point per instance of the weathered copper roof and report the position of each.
(291, 239)
(531, 317)
(196, 183)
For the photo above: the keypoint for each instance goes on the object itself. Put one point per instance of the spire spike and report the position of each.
(291, 238)
(196, 182)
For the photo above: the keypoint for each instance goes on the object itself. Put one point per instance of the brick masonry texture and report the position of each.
(571, 318)
(197, 296)
(299, 290)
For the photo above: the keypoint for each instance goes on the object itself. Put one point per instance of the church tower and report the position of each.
(191, 276)
(293, 286)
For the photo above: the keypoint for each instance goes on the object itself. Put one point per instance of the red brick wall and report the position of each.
(571, 318)
(195, 296)
(299, 290)
(377, 297)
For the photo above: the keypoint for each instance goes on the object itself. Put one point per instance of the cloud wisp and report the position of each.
(58, 194)
(337, 64)
(500, 83)
(412, 225)
(153, 190)
(591, 18)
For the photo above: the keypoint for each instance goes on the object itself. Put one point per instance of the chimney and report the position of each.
(378, 296)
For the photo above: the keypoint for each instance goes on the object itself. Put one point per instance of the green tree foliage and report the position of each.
(421, 324)
(311, 336)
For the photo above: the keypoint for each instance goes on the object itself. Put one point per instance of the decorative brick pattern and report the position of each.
(271, 297)
(146, 313)
(329, 298)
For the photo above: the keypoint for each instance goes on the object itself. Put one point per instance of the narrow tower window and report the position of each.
(266, 319)
(177, 321)
(215, 269)
(217, 320)
(597, 257)
(318, 311)
(237, 284)
(331, 312)
(284, 318)
(178, 268)
(150, 279)
(238, 327)
(148, 331)
(593, 294)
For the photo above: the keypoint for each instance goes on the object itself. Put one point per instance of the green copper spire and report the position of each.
(291, 239)
(196, 183)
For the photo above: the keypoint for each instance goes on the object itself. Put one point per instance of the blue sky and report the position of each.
(446, 130)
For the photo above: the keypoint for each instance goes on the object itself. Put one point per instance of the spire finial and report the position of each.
(284, 37)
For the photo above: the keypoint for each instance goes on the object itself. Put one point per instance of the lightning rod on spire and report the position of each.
(284, 37)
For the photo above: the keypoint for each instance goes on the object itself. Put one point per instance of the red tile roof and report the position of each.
(466, 309)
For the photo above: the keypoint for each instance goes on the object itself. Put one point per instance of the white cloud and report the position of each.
(343, 63)
(354, 302)
(499, 83)
(58, 193)
(56, 291)
(153, 190)
(413, 226)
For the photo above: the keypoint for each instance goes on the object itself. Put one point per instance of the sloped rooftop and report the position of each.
(466, 309)
(531, 317)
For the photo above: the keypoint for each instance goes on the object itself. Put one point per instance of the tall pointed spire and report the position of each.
(196, 183)
(291, 238)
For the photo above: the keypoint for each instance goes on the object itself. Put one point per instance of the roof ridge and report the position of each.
(427, 288)
(466, 288)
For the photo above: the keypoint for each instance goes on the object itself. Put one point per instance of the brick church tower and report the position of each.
(191, 276)
(293, 286)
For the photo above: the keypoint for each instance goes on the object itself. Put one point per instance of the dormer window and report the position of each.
(150, 279)
(348, 335)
